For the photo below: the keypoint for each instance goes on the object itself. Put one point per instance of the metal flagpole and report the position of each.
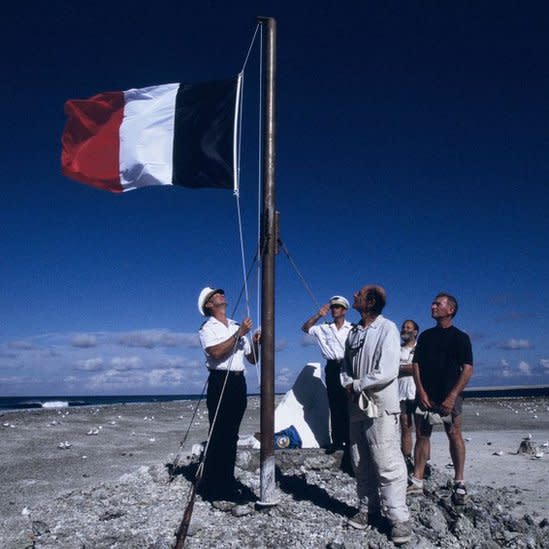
(268, 246)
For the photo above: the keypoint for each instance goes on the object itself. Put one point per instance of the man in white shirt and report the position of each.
(407, 389)
(331, 338)
(225, 346)
(370, 372)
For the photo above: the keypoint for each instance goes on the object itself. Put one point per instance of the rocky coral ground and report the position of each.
(144, 509)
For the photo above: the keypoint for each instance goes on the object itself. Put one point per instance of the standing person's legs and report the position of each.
(457, 446)
(211, 479)
(366, 481)
(236, 406)
(221, 455)
(422, 450)
(337, 401)
(383, 440)
(406, 425)
(457, 452)
(406, 431)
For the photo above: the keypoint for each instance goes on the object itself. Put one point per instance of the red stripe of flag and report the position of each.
(91, 141)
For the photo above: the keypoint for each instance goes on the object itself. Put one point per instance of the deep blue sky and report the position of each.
(413, 151)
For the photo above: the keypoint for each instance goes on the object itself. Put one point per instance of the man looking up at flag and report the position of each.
(225, 345)
(370, 372)
(331, 338)
(443, 365)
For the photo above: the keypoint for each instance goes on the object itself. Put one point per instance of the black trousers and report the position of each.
(337, 400)
(221, 456)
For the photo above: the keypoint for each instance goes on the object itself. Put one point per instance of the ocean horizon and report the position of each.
(13, 403)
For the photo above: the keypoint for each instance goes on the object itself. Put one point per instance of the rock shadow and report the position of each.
(241, 494)
(186, 471)
(300, 489)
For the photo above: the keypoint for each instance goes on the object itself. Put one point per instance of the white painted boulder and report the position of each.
(305, 406)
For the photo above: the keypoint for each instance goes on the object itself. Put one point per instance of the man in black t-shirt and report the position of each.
(443, 365)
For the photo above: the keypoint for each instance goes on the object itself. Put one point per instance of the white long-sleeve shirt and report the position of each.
(213, 332)
(371, 362)
(331, 340)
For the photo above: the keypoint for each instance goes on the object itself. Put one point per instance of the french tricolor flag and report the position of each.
(172, 134)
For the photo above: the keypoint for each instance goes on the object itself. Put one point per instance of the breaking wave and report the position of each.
(55, 404)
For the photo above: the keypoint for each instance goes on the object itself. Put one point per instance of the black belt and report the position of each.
(224, 372)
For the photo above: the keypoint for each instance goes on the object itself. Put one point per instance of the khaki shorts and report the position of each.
(456, 411)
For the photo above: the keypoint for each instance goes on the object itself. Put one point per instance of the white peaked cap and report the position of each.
(205, 296)
(339, 300)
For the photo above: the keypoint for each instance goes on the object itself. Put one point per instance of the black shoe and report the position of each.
(235, 495)
(333, 448)
(459, 494)
(232, 495)
(232, 492)
(428, 471)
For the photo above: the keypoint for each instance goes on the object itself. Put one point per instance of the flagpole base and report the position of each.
(260, 505)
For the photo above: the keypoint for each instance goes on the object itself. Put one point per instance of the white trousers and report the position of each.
(379, 466)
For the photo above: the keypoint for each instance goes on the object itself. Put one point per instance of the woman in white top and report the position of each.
(407, 388)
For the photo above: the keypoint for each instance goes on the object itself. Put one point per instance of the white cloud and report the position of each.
(516, 344)
(179, 362)
(84, 340)
(122, 363)
(506, 368)
(113, 380)
(21, 345)
(175, 362)
(7, 380)
(90, 364)
(61, 363)
(72, 380)
(143, 381)
(522, 369)
(544, 363)
(150, 339)
(284, 377)
(165, 377)
(515, 315)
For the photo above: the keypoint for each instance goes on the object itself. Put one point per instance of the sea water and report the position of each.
(52, 402)
(32, 402)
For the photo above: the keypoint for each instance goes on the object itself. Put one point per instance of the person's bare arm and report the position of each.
(448, 404)
(421, 393)
(323, 311)
(222, 350)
